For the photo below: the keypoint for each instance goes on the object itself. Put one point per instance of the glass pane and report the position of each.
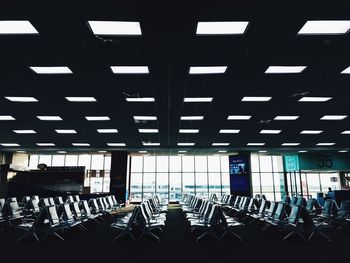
(188, 163)
(279, 185)
(57, 160)
(162, 185)
(20, 159)
(175, 163)
(162, 163)
(254, 162)
(136, 187)
(149, 164)
(304, 185)
(277, 163)
(188, 183)
(267, 184)
(46, 159)
(202, 184)
(108, 160)
(201, 164)
(313, 183)
(224, 164)
(225, 177)
(256, 183)
(149, 183)
(265, 164)
(214, 183)
(106, 184)
(96, 184)
(214, 163)
(71, 160)
(329, 180)
(136, 164)
(97, 162)
(175, 186)
(84, 160)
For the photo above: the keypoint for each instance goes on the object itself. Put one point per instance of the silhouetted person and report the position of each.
(330, 189)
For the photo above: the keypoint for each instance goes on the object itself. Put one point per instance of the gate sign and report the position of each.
(291, 163)
(334, 162)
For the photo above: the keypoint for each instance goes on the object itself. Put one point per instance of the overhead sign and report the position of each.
(291, 163)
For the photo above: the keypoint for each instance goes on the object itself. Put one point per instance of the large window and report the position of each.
(172, 176)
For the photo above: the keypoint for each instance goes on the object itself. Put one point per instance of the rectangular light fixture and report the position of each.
(222, 151)
(346, 132)
(61, 152)
(342, 151)
(97, 118)
(199, 99)
(51, 70)
(302, 151)
(286, 118)
(142, 151)
(107, 130)
(270, 131)
(257, 99)
(284, 69)
(314, 99)
(144, 99)
(116, 144)
(311, 132)
(6, 118)
(45, 144)
(80, 144)
(325, 144)
(150, 143)
(49, 118)
(255, 144)
(192, 118)
(220, 144)
(239, 117)
(182, 151)
(130, 69)
(81, 99)
(10, 144)
(145, 118)
(290, 144)
(119, 28)
(346, 71)
(325, 27)
(228, 131)
(21, 99)
(148, 130)
(221, 28)
(188, 131)
(333, 117)
(66, 131)
(17, 27)
(208, 70)
(185, 144)
(24, 131)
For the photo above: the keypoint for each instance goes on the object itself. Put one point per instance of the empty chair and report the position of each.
(44, 202)
(55, 223)
(59, 200)
(51, 201)
(11, 212)
(76, 198)
(69, 219)
(228, 226)
(148, 224)
(2, 202)
(293, 223)
(33, 228)
(126, 227)
(69, 199)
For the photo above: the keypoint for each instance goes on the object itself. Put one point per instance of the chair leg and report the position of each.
(325, 236)
(58, 236)
(236, 235)
(289, 235)
(311, 235)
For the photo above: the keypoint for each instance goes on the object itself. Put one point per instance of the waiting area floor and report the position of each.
(177, 245)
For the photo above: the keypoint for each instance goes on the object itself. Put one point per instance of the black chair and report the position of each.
(126, 227)
(69, 219)
(11, 212)
(228, 226)
(87, 212)
(147, 223)
(55, 223)
(293, 223)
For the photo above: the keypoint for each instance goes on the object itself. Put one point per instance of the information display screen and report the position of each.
(239, 173)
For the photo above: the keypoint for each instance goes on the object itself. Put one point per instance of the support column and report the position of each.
(119, 175)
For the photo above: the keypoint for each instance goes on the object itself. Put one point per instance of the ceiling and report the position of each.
(169, 46)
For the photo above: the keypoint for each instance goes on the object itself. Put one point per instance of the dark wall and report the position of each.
(119, 174)
(5, 160)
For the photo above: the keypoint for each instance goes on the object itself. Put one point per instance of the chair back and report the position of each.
(52, 215)
(294, 216)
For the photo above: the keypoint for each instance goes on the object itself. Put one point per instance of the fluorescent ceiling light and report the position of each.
(66, 131)
(239, 117)
(189, 131)
(325, 27)
(185, 144)
(325, 143)
(81, 99)
(342, 151)
(45, 144)
(302, 151)
(262, 151)
(192, 118)
(198, 99)
(22, 99)
(102, 151)
(284, 69)
(286, 118)
(258, 99)
(311, 132)
(130, 69)
(255, 144)
(148, 130)
(145, 118)
(220, 144)
(144, 99)
(97, 118)
(314, 99)
(290, 144)
(121, 28)
(10, 144)
(150, 143)
(17, 27)
(222, 151)
(334, 117)
(61, 152)
(24, 131)
(270, 131)
(182, 151)
(346, 71)
(208, 70)
(6, 118)
(51, 70)
(345, 132)
(116, 144)
(80, 144)
(229, 131)
(142, 151)
(49, 118)
(222, 28)
(107, 130)
(20, 151)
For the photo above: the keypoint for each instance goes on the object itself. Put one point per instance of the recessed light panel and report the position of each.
(66, 131)
(284, 69)
(270, 131)
(222, 151)
(119, 28)
(130, 69)
(81, 99)
(97, 118)
(51, 70)
(302, 151)
(188, 131)
(345, 132)
(311, 132)
(142, 151)
(49, 118)
(199, 99)
(290, 144)
(325, 144)
(228, 131)
(148, 130)
(255, 144)
(256, 99)
(145, 118)
(24, 131)
(342, 151)
(325, 27)
(17, 27)
(45, 144)
(107, 130)
(21, 99)
(80, 144)
(185, 144)
(192, 118)
(6, 118)
(220, 144)
(116, 144)
(221, 28)
(208, 70)
(333, 117)
(346, 71)
(239, 117)
(144, 99)
(314, 99)
(61, 152)
(182, 151)
(286, 118)
(9, 144)
(151, 143)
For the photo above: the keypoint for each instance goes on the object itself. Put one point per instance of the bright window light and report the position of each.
(198, 99)
(81, 99)
(325, 27)
(284, 69)
(222, 28)
(17, 27)
(208, 70)
(116, 144)
(24, 131)
(97, 118)
(239, 117)
(311, 132)
(6, 118)
(220, 144)
(22, 99)
(80, 144)
(286, 118)
(148, 130)
(258, 99)
(314, 99)
(130, 69)
(45, 144)
(150, 143)
(270, 131)
(346, 132)
(255, 144)
(10, 144)
(107, 130)
(145, 118)
(49, 118)
(325, 144)
(20, 151)
(121, 28)
(334, 117)
(51, 70)
(228, 131)
(185, 144)
(66, 131)
(189, 131)
(145, 99)
(346, 71)
(290, 144)
(192, 118)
